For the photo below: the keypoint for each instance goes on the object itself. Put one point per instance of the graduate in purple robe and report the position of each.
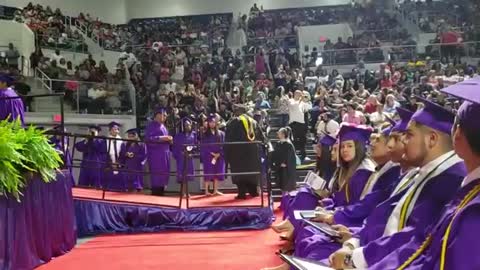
(212, 155)
(353, 173)
(158, 152)
(93, 160)
(132, 158)
(183, 153)
(428, 146)
(377, 189)
(114, 180)
(11, 109)
(62, 148)
(452, 243)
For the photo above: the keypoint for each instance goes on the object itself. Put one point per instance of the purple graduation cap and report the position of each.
(405, 116)
(434, 116)
(160, 110)
(469, 91)
(185, 121)
(212, 117)
(95, 127)
(358, 133)
(113, 124)
(6, 79)
(133, 131)
(327, 140)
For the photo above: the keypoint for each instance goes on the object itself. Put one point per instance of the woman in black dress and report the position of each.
(284, 161)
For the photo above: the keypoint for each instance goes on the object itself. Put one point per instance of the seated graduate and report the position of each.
(377, 189)
(354, 170)
(408, 213)
(452, 243)
(132, 158)
(284, 161)
(183, 154)
(11, 109)
(325, 166)
(94, 157)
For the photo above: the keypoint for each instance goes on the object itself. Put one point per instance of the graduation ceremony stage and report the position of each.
(98, 212)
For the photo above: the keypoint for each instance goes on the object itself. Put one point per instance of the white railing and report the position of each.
(44, 79)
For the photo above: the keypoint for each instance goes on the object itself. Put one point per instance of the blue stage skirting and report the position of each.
(96, 217)
(40, 227)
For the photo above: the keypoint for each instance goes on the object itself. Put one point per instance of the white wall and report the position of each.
(111, 11)
(168, 8)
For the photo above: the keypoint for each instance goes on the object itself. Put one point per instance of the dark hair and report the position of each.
(472, 135)
(347, 170)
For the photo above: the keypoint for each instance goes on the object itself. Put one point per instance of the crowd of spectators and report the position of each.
(198, 30)
(50, 28)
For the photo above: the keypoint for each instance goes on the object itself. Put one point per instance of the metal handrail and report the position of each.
(44, 77)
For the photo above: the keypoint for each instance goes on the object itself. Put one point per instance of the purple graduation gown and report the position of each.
(11, 108)
(353, 215)
(463, 242)
(158, 154)
(93, 162)
(435, 194)
(309, 241)
(133, 179)
(66, 155)
(217, 170)
(179, 141)
(306, 199)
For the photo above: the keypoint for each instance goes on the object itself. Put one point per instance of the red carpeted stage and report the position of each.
(226, 200)
(98, 212)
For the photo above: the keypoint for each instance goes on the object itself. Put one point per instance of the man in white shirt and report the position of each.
(297, 107)
(114, 180)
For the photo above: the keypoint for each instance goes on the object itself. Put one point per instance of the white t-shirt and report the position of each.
(297, 110)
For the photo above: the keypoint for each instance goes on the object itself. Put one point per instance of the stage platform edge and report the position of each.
(97, 217)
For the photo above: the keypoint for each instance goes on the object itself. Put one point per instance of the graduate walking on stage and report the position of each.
(113, 178)
(211, 152)
(158, 152)
(132, 158)
(11, 109)
(182, 153)
(93, 161)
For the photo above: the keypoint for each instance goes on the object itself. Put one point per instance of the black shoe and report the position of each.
(254, 195)
(241, 197)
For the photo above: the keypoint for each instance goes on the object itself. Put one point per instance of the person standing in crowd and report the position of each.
(114, 180)
(11, 108)
(158, 152)
(284, 161)
(211, 150)
(282, 105)
(94, 158)
(182, 152)
(296, 113)
(132, 158)
(12, 56)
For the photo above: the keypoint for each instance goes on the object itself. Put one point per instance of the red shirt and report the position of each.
(370, 108)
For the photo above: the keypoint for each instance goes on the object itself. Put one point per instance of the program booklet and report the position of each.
(302, 264)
